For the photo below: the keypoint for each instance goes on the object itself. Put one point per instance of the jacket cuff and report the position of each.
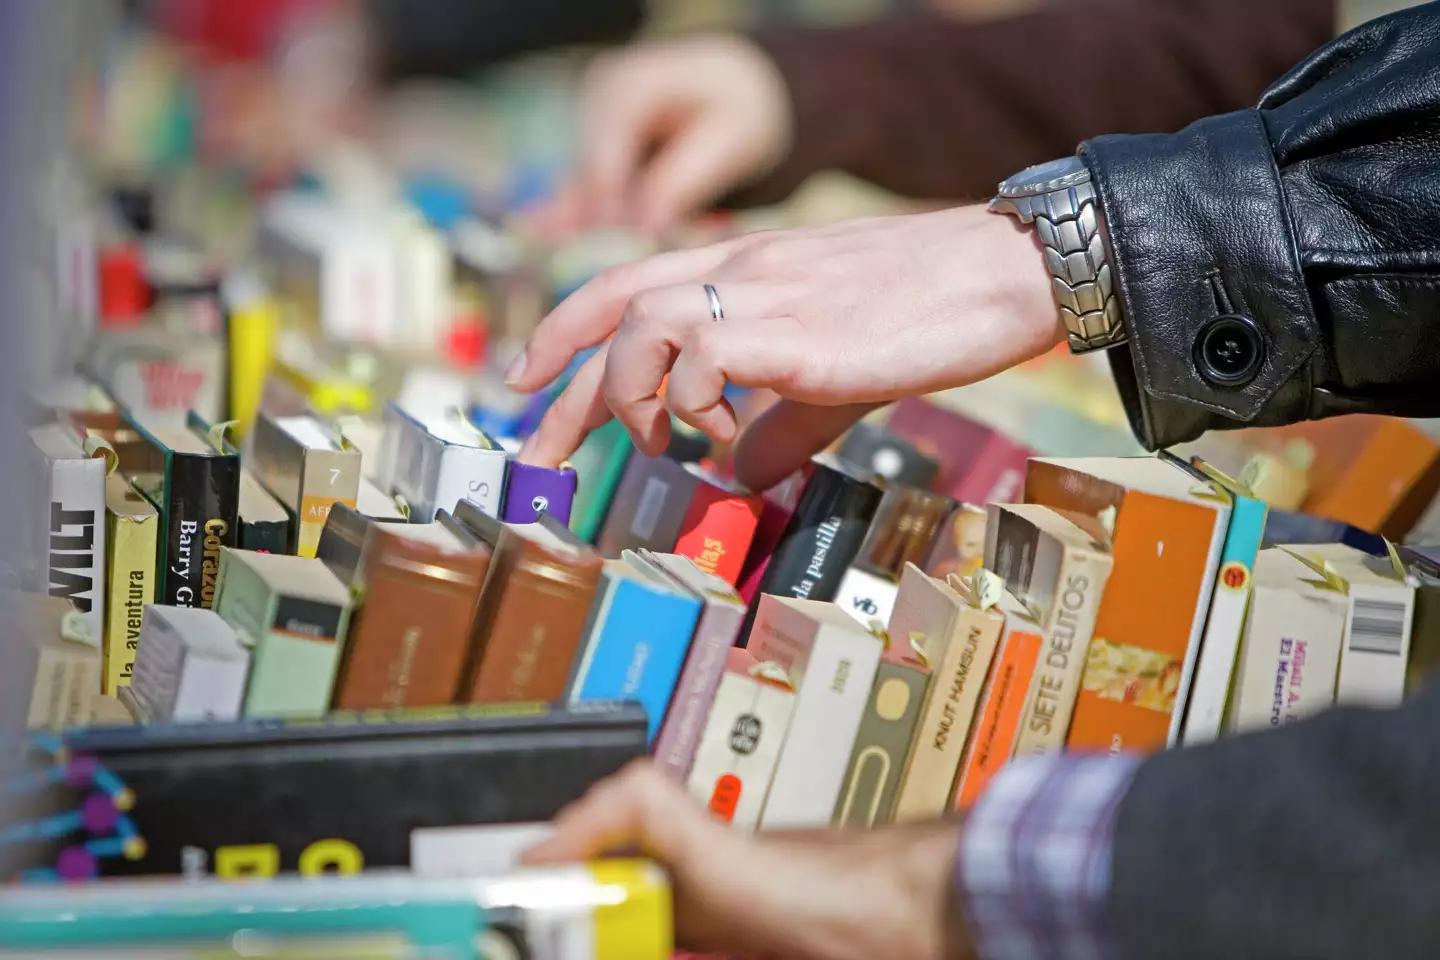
(1219, 320)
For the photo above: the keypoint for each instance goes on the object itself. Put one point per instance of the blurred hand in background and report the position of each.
(668, 129)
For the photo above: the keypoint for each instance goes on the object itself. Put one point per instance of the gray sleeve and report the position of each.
(1318, 840)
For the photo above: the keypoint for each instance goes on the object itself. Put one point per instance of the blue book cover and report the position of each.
(1288, 528)
(640, 637)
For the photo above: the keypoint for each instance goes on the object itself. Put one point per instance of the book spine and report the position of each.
(997, 474)
(530, 490)
(202, 497)
(210, 690)
(409, 639)
(599, 464)
(328, 477)
(832, 697)
(1377, 645)
(297, 659)
(685, 720)
(264, 536)
(131, 587)
(739, 749)
(1291, 655)
(75, 544)
(535, 634)
(717, 531)
(944, 729)
(1051, 700)
(882, 745)
(468, 473)
(867, 596)
(1220, 647)
(994, 741)
(638, 656)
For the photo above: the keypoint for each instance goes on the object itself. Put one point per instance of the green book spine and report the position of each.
(599, 463)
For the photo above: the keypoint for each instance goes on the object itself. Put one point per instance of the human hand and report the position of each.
(836, 319)
(806, 895)
(667, 129)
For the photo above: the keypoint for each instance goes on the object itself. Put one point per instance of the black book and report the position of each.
(823, 536)
(193, 478)
(349, 792)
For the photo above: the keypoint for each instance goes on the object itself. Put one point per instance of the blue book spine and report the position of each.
(641, 649)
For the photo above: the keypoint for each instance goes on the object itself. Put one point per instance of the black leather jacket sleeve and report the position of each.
(1283, 263)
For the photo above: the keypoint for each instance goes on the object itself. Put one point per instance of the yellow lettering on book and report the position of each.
(247, 861)
(331, 856)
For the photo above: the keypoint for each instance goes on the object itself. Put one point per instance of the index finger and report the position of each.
(590, 314)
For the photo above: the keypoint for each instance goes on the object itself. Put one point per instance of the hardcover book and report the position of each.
(191, 667)
(441, 462)
(1062, 568)
(882, 743)
(638, 638)
(533, 609)
(264, 522)
(599, 465)
(67, 549)
(875, 449)
(1290, 653)
(194, 482)
(346, 793)
(308, 470)
(960, 639)
(410, 637)
(63, 668)
(741, 742)
(671, 507)
(343, 540)
(1169, 532)
(831, 661)
(715, 635)
(532, 490)
(822, 537)
(293, 614)
(1002, 703)
(1229, 603)
(132, 530)
(903, 531)
(1379, 616)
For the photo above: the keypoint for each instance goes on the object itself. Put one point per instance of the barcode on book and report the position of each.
(1377, 626)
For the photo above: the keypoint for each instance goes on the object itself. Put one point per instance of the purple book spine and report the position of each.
(530, 489)
(674, 748)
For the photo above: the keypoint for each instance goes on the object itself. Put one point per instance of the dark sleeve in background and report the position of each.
(449, 37)
(1315, 219)
(945, 109)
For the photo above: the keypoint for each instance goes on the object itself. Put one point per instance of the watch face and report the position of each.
(1053, 175)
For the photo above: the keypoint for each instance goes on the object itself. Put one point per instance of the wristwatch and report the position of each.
(1059, 199)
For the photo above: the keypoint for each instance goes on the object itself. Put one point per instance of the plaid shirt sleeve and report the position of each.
(1034, 864)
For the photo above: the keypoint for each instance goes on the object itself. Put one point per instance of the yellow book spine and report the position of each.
(132, 545)
(637, 921)
(253, 330)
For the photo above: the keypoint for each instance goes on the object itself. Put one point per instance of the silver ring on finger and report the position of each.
(716, 311)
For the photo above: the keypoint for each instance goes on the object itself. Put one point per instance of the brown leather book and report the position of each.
(534, 609)
(420, 590)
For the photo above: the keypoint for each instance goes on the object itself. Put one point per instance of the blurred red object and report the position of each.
(236, 29)
(124, 291)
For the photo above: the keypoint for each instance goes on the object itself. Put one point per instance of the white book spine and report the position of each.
(1377, 645)
(75, 538)
(1215, 668)
(866, 596)
(830, 704)
(1289, 658)
(469, 473)
(358, 286)
(210, 689)
(740, 747)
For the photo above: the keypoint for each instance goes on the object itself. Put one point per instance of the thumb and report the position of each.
(704, 160)
(785, 436)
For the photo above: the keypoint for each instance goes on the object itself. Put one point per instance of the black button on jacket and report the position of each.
(1283, 263)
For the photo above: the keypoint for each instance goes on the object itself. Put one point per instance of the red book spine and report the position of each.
(717, 531)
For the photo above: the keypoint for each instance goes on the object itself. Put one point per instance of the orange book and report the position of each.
(1169, 528)
(1004, 703)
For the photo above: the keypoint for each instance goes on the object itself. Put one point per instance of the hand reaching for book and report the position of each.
(836, 319)
(806, 895)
